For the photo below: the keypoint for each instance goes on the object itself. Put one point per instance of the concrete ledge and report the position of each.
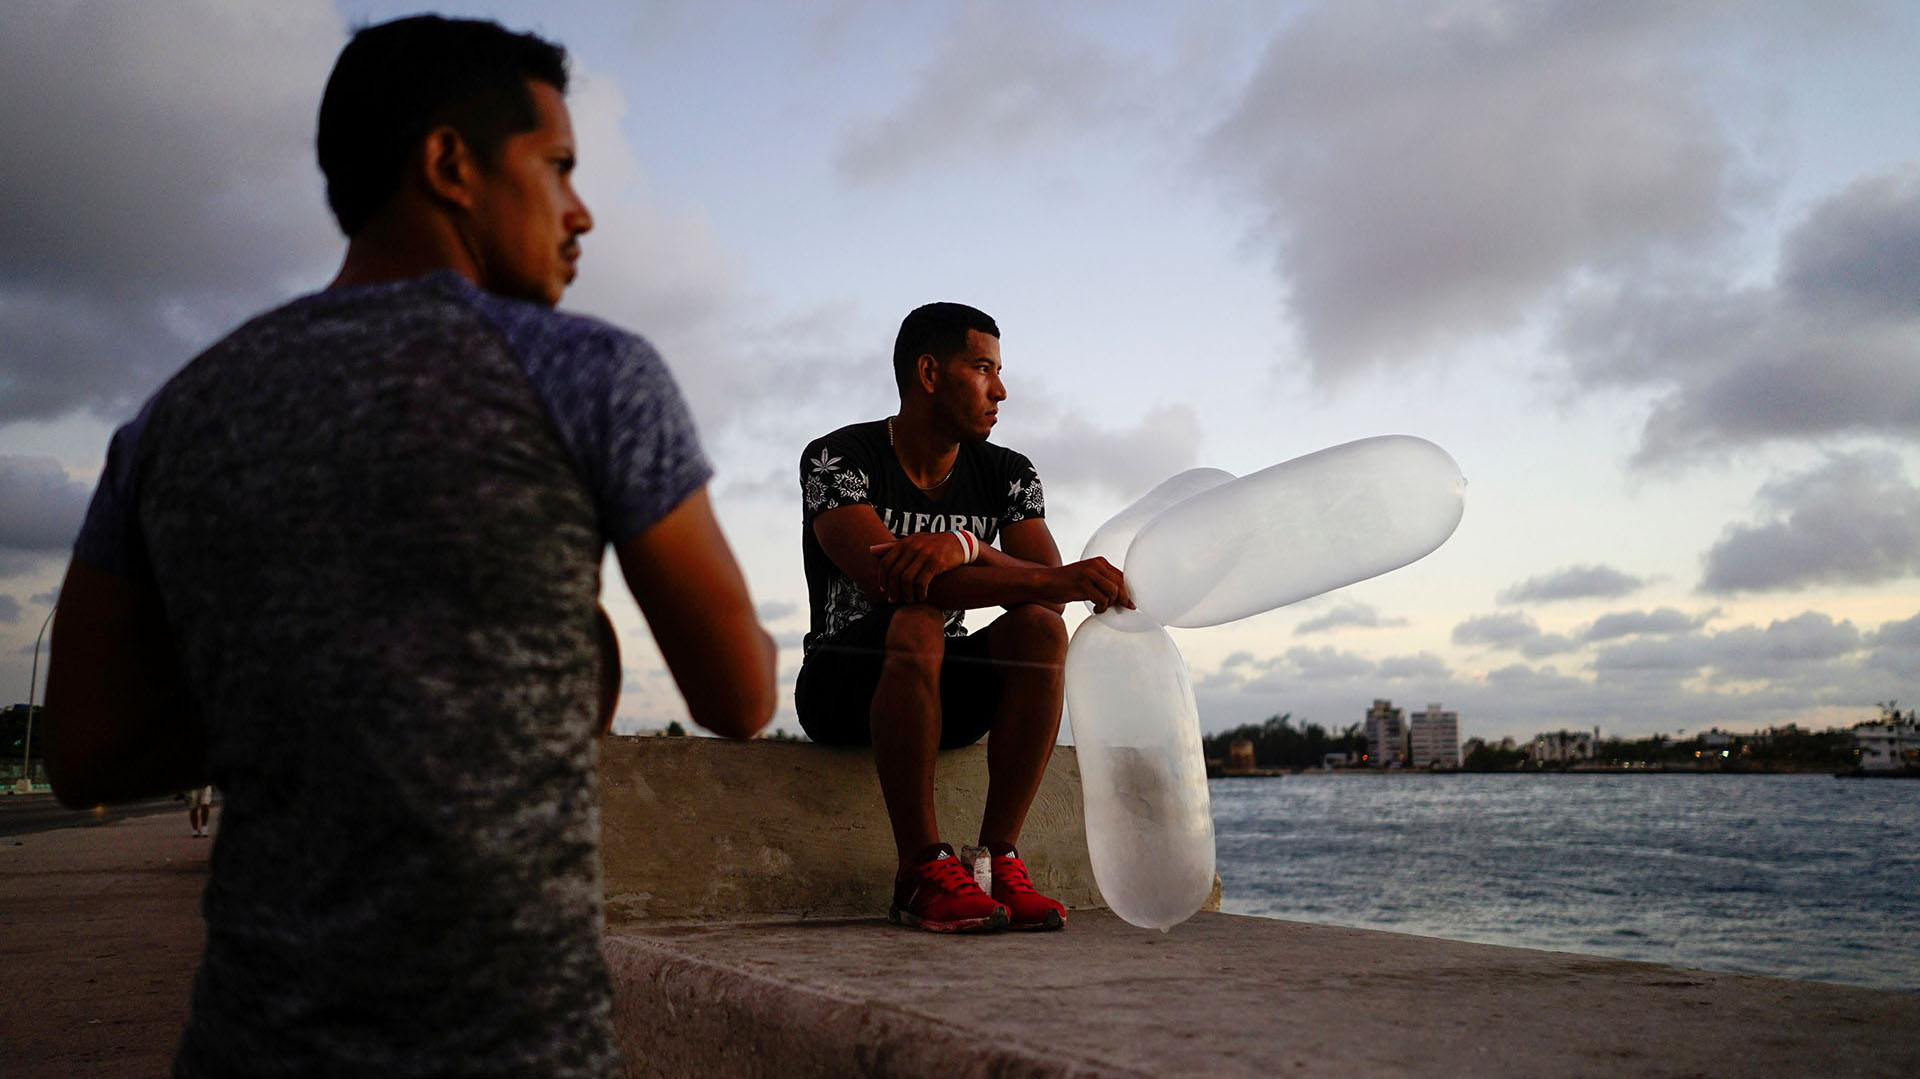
(1220, 995)
(701, 828)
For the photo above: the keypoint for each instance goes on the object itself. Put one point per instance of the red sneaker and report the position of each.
(940, 896)
(1026, 907)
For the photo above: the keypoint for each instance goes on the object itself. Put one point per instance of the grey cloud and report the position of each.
(1359, 615)
(1424, 666)
(40, 512)
(775, 610)
(1831, 346)
(1242, 671)
(1426, 177)
(151, 201)
(1896, 648)
(1574, 582)
(9, 609)
(1513, 632)
(1854, 519)
(1683, 656)
(1808, 638)
(1327, 664)
(999, 79)
(1499, 630)
(1904, 633)
(1664, 621)
(1068, 449)
(1781, 651)
(1858, 253)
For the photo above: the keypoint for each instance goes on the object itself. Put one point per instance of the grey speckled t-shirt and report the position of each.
(376, 518)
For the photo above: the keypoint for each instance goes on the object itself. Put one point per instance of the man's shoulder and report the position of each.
(860, 437)
(864, 431)
(538, 331)
(1000, 457)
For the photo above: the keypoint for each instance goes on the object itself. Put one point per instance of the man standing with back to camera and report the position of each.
(901, 520)
(345, 564)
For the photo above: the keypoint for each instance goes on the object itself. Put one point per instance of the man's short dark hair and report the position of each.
(938, 330)
(399, 80)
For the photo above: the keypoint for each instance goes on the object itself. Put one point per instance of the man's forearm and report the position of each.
(120, 722)
(1004, 582)
(165, 754)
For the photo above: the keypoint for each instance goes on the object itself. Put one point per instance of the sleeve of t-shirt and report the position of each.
(618, 410)
(834, 472)
(1025, 497)
(110, 537)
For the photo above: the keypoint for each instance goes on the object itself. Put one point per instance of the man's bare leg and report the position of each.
(905, 721)
(1028, 645)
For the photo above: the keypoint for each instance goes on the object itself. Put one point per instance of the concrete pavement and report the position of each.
(99, 934)
(1219, 996)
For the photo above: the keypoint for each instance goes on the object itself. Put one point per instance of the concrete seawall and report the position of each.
(773, 959)
(707, 829)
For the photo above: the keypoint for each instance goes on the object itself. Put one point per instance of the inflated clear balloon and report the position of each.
(1143, 772)
(1111, 540)
(1297, 529)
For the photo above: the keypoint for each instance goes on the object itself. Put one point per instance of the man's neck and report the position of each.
(925, 454)
(398, 245)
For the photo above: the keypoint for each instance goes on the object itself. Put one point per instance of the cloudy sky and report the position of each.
(1649, 271)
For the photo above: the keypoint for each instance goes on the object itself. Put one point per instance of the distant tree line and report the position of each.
(1782, 749)
(13, 732)
(1277, 743)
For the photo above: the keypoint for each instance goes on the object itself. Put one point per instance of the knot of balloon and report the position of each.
(1202, 549)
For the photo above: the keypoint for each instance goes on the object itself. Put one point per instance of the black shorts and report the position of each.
(834, 694)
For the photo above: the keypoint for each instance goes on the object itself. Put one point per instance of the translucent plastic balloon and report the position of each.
(1294, 530)
(1110, 540)
(1143, 772)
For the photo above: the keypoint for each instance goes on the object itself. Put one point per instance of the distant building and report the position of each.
(1386, 735)
(1889, 745)
(1240, 756)
(1560, 747)
(1433, 738)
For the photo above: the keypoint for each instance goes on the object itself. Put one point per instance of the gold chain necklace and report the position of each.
(937, 484)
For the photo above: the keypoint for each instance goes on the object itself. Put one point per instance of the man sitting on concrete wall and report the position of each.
(901, 520)
(346, 565)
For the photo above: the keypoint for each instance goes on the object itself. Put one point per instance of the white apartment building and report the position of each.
(1889, 745)
(1433, 738)
(1386, 735)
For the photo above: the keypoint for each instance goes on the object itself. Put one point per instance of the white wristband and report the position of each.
(969, 547)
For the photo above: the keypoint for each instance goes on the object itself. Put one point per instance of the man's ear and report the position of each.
(447, 166)
(927, 369)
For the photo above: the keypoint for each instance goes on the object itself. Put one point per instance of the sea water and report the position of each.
(1800, 876)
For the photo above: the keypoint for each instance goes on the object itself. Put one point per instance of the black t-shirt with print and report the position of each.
(992, 487)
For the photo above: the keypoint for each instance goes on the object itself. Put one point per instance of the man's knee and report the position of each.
(1030, 632)
(916, 641)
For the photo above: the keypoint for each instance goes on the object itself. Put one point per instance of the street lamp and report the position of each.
(25, 786)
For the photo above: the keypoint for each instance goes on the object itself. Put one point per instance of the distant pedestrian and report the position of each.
(199, 810)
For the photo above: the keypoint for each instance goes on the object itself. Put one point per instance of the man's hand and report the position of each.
(908, 565)
(1094, 580)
